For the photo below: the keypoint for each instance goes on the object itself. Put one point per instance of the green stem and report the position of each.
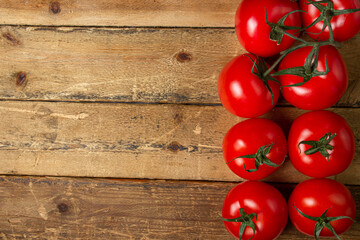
(331, 32)
(305, 43)
(296, 38)
(283, 54)
(331, 43)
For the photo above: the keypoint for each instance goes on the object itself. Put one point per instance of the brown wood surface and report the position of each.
(58, 57)
(70, 208)
(157, 141)
(198, 13)
(174, 65)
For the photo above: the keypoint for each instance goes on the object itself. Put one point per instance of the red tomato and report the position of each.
(313, 197)
(243, 93)
(252, 30)
(255, 198)
(246, 138)
(312, 126)
(319, 92)
(344, 26)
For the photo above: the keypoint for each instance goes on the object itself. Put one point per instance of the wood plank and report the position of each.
(132, 140)
(65, 208)
(199, 13)
(127, 65)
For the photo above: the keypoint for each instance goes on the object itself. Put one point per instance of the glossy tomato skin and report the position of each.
(260, 198)
(319, 92)
(344, 26)
(313, 197)
(243, 93)
(253, 31)
(312, 126)
(246, 138)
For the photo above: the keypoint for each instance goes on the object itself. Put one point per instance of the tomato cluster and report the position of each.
(310, 75)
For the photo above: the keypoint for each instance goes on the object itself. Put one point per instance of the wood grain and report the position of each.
(69, 208)
(198, 13)
(81, 51)
(127, 65)
(157, 141)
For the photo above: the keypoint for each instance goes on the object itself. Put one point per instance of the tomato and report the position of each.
(247, 138)
(243, 93)
(315, 196)
(344, 26)
(263, 207)
(252, 30)
(320, 91)
(330, 158)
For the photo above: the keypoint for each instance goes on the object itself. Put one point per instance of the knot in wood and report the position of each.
(174, 146)
(55, 7)
(11, 38)
(178, 118)
(63, 207)
(183, 57)
(20, 79)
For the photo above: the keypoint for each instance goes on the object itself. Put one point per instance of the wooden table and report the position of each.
(111, 126)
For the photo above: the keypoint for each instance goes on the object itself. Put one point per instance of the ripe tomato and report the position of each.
(315, 196)
(330, 157)
(320, 91)
(243, 93)
(344, 26)
(252, 30)
(249, 138)
(263, 209)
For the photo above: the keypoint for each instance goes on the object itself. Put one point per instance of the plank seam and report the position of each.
(143, 103)
(148, 179)
(113, 27)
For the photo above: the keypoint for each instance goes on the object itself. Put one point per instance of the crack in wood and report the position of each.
(60, 115)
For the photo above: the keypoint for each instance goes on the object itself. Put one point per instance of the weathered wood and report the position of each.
(199, 13)
(143, 65)
(132, 140)
(127, 65)
(65, 208)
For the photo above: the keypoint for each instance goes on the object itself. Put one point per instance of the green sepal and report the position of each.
(317, 230)
(328, 226)
(242, 230)
(324, 10)
(308, 71)
(345, 11)
(313, 2)
(271, 164)
(245, 220)
(330, 6)
(305, 215)
(327, 12)
(261, 68)
(254, 169)
(322, 221)
(278, 29)
(260, 158)
(322, 145)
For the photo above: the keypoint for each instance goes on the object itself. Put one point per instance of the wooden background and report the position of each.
(126, 90)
